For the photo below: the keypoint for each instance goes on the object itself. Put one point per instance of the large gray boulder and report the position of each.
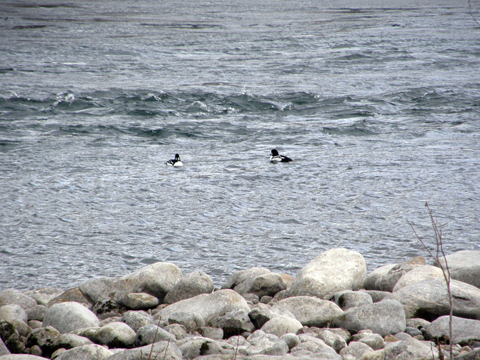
(310, 310)
(332, 271)
(464, 266)
(207, 306)
(388, 281)
(85, 352)
(191, 285)
(155, 279)
(428, 299)
(69, 316)
(418, 274)
(12, 296)
(465, 331)
(258, 281)
(385, 317)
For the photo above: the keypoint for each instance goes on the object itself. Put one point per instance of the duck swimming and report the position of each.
(175, 162)
(275, 157)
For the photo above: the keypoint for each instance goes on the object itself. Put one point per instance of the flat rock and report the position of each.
(69, 316)
(85, 352)
(418, 274)
(208, 306)
(191, 285)
(332, 271)
(384, 318)
(464, 266)
(428, 299)
(309, 310)
(139, 301)
(465, 331)
(156, 279)
(15, 297)
(387, 282)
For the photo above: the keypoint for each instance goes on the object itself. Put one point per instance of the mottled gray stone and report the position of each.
(208, 306)
(44, 295)
(155, 279)
(384, 318)
(464, 266)
(191, 320)
(12, 313)
(428, 299)
(387, 282)
(116, 334)
(139, 301)
(349, 299)
(85, 352)
(151, 333)
(418, 274)
(332, 271)
(355, 350)
(465, 331)
(281, 325)
(69, 316)
(309, 310)
(191, 285)
(137, 319)
(371, 279)
(12, 296)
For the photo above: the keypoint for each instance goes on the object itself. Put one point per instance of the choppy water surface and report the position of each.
(378, 106)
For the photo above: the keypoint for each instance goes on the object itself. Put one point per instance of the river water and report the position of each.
(377, 103)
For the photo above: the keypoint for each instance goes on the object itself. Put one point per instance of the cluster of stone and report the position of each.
(330, 310)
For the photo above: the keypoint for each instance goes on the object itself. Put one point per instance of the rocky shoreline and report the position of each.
(331, 310)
